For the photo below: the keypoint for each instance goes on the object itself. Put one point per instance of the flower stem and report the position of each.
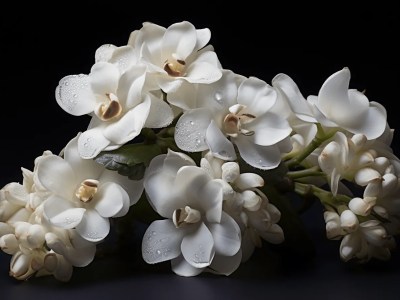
(313, 171)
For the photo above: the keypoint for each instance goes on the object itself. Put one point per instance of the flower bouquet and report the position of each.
(210, 158)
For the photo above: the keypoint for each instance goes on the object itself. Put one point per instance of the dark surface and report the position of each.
(40, 45)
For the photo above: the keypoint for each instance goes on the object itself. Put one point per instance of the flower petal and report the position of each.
(269, 129)
(92, 142)
(162, 241)
(130, 87)
(293, 96)
(130, 125)
(104, 52)
(93, 227)
(160, 114)
(256, 95)
(261, 157)
(83, 168)
(62, 213)
(74, 94)
(203, 37)
(226, 236)
(104, 78)
(226, 265)
(219, 145)
(182, 268)
(123, 58)
(56, 175)
(198, 247)
(16, 194)
(191, 129)
(109, 199)
(179, 39)
(202, 72)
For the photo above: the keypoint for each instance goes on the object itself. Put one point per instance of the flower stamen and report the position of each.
(187, 215)
(174, 67)
(87, 190)
(234, 120)
(111, 109)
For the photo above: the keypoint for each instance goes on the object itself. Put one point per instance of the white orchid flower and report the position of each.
(175, 54)
(229, 114)
(196, 235)
(339, 106)
(115, 100)
(83, 194)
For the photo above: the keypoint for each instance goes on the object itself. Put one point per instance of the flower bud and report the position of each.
(9, 243)
(251, 201)
(20, 266)
(230, 171)
(348, 221)
(362, 207)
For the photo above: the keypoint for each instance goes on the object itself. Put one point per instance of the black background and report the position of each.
(41, 43)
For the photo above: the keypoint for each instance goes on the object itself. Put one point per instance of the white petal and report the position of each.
(16, 194)
(56, 175)
(180, 39)
(134, 188)
(161, 197)
(74, 94)
(160, 114)
(64, 270)
(104, 52)
(203, 37)
(182, 268)
(92, 142)
(109, 199)
(9, 243)
(249, 180)
(350, 245)
(169, 84)
(123, 58)
(226, 236)
(130, 125)
(230, 171)
(83, 168)
(93, 227)
(348, 221)
(360, 207)
(366, 175)
(219, 145)
(162, 241)
(104, 78)
(151, 34)
(226, 265)
(69, 218)
(198, 247)
(261, 157)
(130, 87)
(295, 99)
(202, 72)
(333, 95)
(256, 95)
(191, 129)
(269, 129)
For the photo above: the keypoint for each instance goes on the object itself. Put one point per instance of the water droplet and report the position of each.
(198, 141)
(158, 252)
(153, 233)
(66, 83)
(218, 96)
(191, 123)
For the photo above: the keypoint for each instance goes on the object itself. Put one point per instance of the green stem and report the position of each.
(319, 138)
(313, 171)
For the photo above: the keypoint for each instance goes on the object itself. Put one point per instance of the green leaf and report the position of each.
(130, 160)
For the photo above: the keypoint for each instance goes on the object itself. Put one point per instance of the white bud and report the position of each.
(9, 243)
(362, 207)
(50, 262)
(230, 171)
(365, 175)
(348, 221)
(249, 180)
(5, 229)
(333, 227)
(381, 211)
(35, 236)
(359, 141)
(381, 163)
(251, 201)
(20, 266)
(389, 183)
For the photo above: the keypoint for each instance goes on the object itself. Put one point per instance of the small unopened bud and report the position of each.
(348, 221)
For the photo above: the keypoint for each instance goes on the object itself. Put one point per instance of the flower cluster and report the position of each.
(213, 153)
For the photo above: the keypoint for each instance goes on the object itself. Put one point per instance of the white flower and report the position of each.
(230, 114)
(299, 111)
(115, 100)
(196, 234)
(175, 54)
(369, 240)
(343, 158)
(243, 201)
(339, 106)
(83, 194)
